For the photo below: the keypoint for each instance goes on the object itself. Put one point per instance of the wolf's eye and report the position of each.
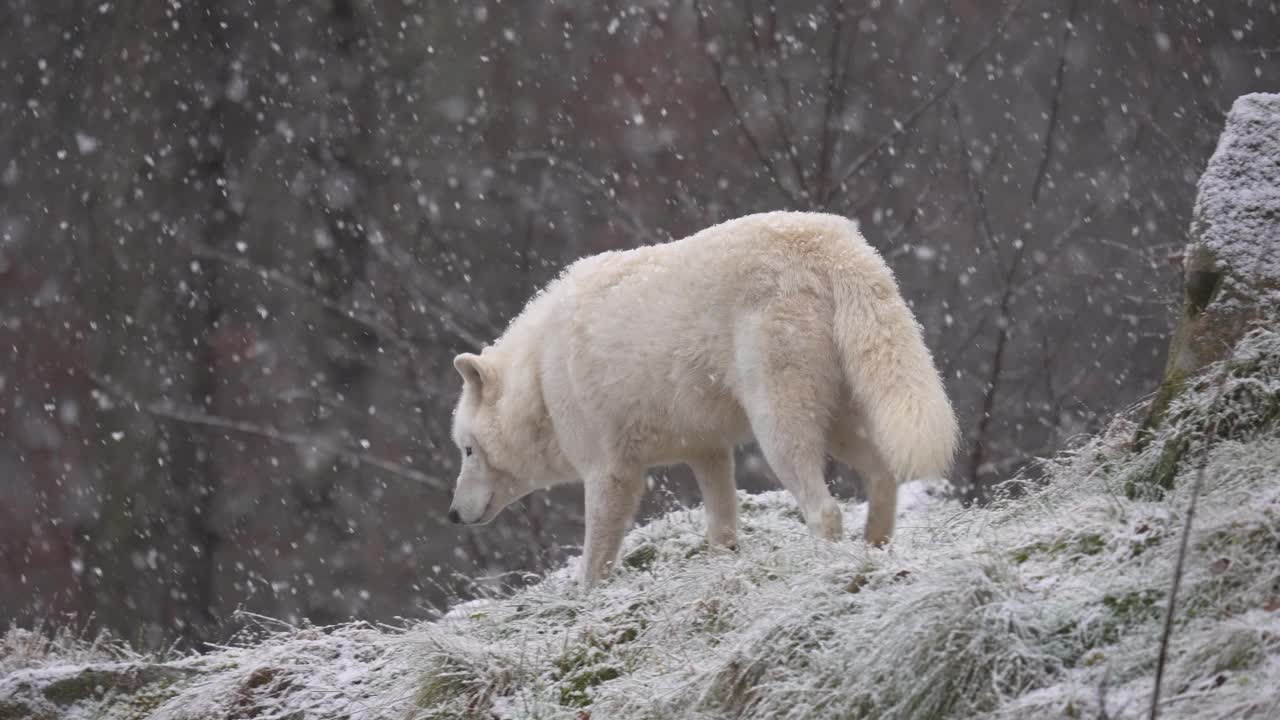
(467, 451)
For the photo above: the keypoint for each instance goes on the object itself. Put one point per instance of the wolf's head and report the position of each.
(491, 428)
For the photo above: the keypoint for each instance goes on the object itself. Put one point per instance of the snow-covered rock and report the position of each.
(1231, 266)
(1236, 229)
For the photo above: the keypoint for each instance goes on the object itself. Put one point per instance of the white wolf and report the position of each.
(783, 326)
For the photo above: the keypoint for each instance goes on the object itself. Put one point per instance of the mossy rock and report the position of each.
(1230, 275)
(97, 683)
(1242, 411)
(12, 710)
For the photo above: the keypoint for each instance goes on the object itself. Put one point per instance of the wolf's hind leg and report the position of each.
(790, 380)
(882, 489)
(797, 459)
(714, 472)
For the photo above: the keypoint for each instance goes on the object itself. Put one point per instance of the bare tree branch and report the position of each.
(364, 319)
(739, 115)
(636, 226)
(782, 124)
(833, 101)
(1003, 317)
(170, 411)
(941, 91)
(1055, 103)
(777, 52)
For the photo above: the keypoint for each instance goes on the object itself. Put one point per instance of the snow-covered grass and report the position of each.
(1047, 603)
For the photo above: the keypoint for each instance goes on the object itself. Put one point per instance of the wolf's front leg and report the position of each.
(714, 473)
(612, 498)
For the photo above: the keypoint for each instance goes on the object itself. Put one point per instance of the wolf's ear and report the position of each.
(474, 370)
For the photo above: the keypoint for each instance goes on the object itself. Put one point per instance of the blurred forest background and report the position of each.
(241, 240)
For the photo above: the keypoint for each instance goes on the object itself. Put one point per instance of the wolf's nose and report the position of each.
(453, 517)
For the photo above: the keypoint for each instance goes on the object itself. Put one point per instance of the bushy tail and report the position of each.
(891, 372)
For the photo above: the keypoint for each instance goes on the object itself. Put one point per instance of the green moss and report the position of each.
(1263, 408)
(81, 686)
(581, 668)
(1149, 479)
(1081, 639)
(1168, 463)
(1200, 286)
(141, 704)
(642, 558)
(262, 689)
(761, 574)
(596, 657)
(575, 690)
(1085, 544)
(713, 617)
(439, 687)
(696, 550)
(451, 680)
(1243, 574)
(1263, 535)
(1244, 410)
(1172, 386)
(733, 689)
(1133, 607)
(130, 692)
(1239, 656)
(856, 584)
(552, 613)
(1090, 544)
(1149, 538)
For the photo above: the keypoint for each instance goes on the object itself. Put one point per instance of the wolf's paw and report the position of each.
(827, 522)
(726, 537)
(877, 537)
(879, 530)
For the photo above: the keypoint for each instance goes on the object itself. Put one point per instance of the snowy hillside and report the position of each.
(1048, 603)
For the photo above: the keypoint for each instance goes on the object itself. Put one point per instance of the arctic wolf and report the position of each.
(784, 327)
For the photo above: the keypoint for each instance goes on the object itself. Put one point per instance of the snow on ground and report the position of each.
(1045, 604)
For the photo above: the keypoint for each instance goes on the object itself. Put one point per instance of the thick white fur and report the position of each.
(786, 327)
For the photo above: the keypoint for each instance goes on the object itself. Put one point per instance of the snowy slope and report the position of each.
(1046, 604)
